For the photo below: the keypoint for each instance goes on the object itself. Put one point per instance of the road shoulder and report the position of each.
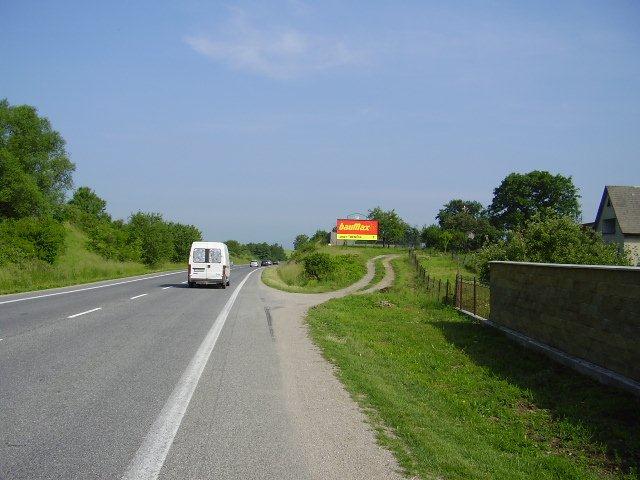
(336, 439)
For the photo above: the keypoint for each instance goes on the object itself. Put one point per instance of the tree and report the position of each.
(411, 235)
(460, 215)
(320, 236)
(550, 239)
(182, 237)
(391, 228)
(521, 196)
(35, 171)
(86, 200)
(154, 236)
(300, 241)
(430, 236)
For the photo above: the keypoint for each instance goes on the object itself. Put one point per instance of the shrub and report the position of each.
(319, 266)
(31, 237)
(554, 239)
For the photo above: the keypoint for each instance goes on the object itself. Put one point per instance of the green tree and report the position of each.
(550, 239)
(430, 236)
(320, 236)
(460, 215)
(521, 196)
(182, 237)
(154, 236)
(300, 241)
(87, 201)
(35, 170)
(391, 228)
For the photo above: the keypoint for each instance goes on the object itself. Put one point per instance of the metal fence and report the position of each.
(466, 294)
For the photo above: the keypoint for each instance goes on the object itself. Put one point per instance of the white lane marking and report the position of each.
(137, 296)
(164, 288)
(82, 313)
(149, 458)
(89, 288)
(184, 282)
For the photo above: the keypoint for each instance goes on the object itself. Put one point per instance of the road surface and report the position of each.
(144, 378)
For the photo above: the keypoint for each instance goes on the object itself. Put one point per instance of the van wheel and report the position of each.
(190, 284)
(224, 283)
(228, 282)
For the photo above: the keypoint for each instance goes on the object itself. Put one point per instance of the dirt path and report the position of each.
(389, 275)
(335, 439)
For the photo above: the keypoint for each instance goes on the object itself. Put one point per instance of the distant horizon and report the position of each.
(259, 121)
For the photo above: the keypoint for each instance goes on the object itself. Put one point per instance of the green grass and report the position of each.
(75, 265)
(290, 276)
(378, 275)
(442, 265)
(456, 400)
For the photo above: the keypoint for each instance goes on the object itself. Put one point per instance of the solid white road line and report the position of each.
(82, 313)
(89, 288)
(137, 296)
(150, 457)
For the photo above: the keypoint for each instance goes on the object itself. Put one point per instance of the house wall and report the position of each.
(628, 243)
(591, 312)
(632, 246)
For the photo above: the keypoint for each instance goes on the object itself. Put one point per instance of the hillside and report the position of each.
(75, 265)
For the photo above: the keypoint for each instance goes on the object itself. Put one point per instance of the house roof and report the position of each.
(626, 205)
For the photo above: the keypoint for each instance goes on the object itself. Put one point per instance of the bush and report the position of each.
(555, 239)
(31, 237)
(319, 266)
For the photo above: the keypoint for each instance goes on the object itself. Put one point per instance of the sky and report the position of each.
(260, 120)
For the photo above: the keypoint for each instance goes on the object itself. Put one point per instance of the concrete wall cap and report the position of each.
(569, 265)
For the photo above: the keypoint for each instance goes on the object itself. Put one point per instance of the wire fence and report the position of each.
(466, 294)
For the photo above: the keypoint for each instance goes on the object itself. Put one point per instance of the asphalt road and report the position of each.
(80, 392)
(143, 378)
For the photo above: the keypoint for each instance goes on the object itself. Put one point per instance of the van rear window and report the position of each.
(207, 255)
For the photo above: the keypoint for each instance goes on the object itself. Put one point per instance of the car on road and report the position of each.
(276, 262)
(209, 264)
(254, 263)
(266, 263)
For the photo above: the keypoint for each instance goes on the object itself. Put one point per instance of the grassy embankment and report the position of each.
(291, 277)
(75, 265)
(457, 400)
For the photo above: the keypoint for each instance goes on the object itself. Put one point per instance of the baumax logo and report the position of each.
(356, 229)
(356, 226)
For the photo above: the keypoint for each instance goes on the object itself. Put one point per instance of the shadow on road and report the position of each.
(610, 416)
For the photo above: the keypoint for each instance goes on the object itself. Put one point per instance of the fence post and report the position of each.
(474, 296)
(446, 294)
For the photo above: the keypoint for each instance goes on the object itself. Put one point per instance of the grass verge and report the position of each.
(291, 277)
(457, 400)
(378, 275)
(76, 265)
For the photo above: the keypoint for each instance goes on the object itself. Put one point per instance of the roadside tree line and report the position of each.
(533, 217)
(35, 178)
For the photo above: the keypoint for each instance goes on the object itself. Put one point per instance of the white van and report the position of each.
(209, 264)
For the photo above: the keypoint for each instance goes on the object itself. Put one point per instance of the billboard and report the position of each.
(348, 229)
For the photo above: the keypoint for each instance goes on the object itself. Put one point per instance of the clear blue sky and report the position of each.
(259, 121)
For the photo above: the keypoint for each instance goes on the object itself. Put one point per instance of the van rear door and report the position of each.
(214, 264)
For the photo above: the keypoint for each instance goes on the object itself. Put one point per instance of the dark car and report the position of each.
(276, 262)
(266, 263)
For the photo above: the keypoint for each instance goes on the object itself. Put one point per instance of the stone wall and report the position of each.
(591, 312)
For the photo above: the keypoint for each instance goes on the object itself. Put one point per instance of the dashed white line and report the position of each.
(89, 288)
(137, 296)
(83, 313)
(148, 460)
(164, 288)
(184, 281)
